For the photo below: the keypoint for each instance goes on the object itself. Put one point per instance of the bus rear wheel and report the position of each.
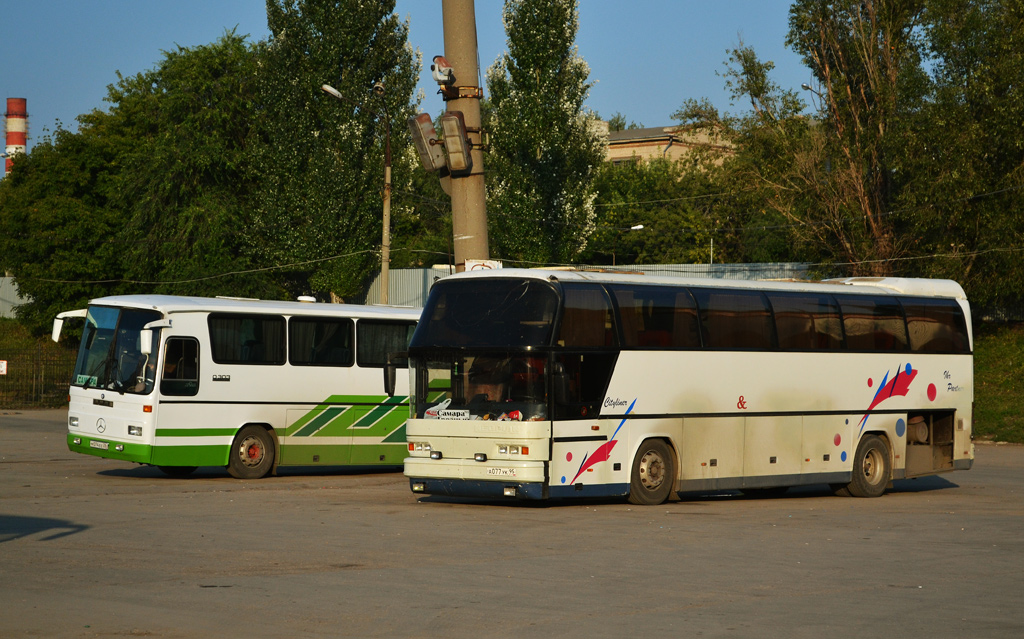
(653, 474)
(871, 469)
(252, 453)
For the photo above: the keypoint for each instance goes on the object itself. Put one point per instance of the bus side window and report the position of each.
(247, 338)
(657, 317)
(806, 321)
(579, 381)
(936, 326)
(180, 375)
(586, 317)
(320, 341)
(873, 323)
(735, 319)
(376, 338)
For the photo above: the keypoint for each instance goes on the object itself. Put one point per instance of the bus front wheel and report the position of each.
(252, 453)
(871, 469)
(653, 474)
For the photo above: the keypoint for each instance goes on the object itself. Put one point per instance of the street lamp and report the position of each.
(385, 248)
(635, 227)
(807, 87)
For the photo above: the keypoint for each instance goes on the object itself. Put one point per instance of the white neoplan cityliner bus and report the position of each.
(537, 384)
(182, 382)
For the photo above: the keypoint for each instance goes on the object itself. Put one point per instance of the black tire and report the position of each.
(177, 471)
(653, 475)
(252, 453)
(872, 469)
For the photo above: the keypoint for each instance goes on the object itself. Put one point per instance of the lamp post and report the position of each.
(635, 227)
(385, 247)
(807, 87)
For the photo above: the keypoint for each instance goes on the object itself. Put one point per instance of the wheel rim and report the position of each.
(251, 451)
(873, 466)
(652, 470)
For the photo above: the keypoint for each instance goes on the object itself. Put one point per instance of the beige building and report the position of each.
(669, 142)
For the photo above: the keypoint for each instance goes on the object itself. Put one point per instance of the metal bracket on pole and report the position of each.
(454, 93)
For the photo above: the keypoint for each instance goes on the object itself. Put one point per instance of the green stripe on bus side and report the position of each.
(321, 419)
(382, 410)
(385, 425)
(397, 437)
(190, 455)
(195, 432)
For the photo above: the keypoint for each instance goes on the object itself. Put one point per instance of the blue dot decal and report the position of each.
(563, 479)
(901, 427)
(910, 369)
(843, 456)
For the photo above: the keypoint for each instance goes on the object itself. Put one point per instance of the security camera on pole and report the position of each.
(462, 163)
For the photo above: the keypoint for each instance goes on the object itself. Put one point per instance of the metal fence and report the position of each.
(36, 378)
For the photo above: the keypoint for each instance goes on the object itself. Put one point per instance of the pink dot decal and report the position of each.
(838, 440)
(871, 382)
(568, 457)
(931, 392)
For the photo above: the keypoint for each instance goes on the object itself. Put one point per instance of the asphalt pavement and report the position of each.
(98, 548)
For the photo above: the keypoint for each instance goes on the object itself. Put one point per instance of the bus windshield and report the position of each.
(485, 385)
(507, 312)
(110, 356)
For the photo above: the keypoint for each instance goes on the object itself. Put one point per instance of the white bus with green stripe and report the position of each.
(248, 385)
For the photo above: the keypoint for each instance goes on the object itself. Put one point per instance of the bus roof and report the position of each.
(180, 304)
(865, 285)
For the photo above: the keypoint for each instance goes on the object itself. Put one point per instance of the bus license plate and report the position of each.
(100, 445)
(502, 472)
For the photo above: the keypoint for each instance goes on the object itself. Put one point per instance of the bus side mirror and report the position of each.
(389, 377)
(146, 341)
(390, 371)
(58, 322)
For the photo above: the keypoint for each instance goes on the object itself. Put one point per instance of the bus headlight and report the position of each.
(72, 421)
(135, 430)
(513, 449)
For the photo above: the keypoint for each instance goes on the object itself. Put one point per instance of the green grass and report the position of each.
(999, 383)
(14, 336)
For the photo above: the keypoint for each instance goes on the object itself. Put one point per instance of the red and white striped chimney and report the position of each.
(17, 129)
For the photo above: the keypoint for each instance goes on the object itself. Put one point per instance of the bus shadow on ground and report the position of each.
(16, 527)
(215, 472)
(914, 485)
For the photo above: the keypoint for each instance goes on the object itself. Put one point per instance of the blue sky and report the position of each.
(646, 56)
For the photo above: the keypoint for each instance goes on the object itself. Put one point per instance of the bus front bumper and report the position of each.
(110, 449)
(494, 479)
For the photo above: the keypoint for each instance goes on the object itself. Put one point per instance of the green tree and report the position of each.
(754, 191)
(183, 181)
(148, 196)
(58, 233)
(967, 161)
(318, 162)
(866, 58)
(544, 148)
(618, 123)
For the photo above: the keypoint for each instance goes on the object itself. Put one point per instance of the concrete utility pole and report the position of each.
(469, 197)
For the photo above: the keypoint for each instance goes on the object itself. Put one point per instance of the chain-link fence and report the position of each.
(35, 377)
